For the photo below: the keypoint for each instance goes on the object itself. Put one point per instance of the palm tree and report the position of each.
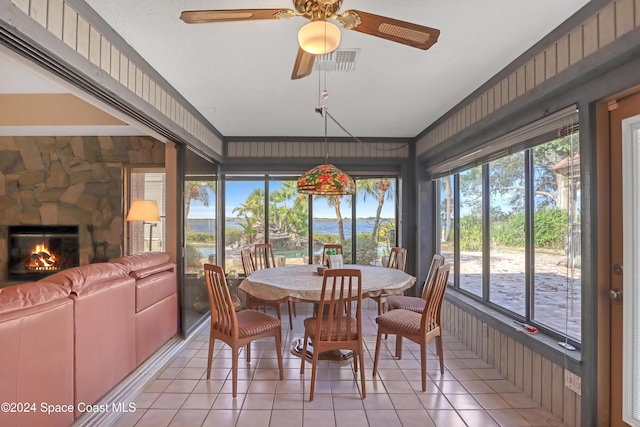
(334, 202)
(252, 210)
(380, 188)
(198, 190)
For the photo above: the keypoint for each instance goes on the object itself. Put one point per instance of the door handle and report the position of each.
(615, 294)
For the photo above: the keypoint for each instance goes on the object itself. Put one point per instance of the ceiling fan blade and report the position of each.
(409, 34)
(304, 64)
(207, 16)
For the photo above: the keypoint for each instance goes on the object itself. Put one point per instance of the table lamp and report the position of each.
(145, 211)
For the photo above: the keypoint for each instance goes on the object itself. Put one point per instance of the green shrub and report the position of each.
(193, 256)
(201, 237)
(470, 233)
(366, 250)
(233, 235)
(331, 239)
(550, 227)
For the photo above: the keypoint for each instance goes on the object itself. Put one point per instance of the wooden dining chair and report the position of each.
(338, 329)
(236, 329)
(417, 304)
(252, 302)
(417, 327)
(328, 247)
(397, 260)
(263, 256)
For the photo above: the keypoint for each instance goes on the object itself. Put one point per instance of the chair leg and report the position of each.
(234, 370)
(375, 358)
(278, 311)
(278, 338)
(361, 355)
(248, 351)
(355, 363)
(303, 359)
(399, 346)
(314, 366)
(212, 341)
(440, 352)
(295, 313)
(423, 364)
(290, 314)
(380, 303)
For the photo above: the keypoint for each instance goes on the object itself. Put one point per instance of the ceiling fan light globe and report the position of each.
(319, 37)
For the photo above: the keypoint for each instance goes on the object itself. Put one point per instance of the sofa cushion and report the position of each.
(77, 278)
(141, 261)
(30, 295)
(154, 288)
(149, 271)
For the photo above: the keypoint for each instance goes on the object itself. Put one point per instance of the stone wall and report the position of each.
(70, 181)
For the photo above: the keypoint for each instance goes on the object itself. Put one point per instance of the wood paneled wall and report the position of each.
(61, 20)
(612, 22)
(538, 377)
(316, 149)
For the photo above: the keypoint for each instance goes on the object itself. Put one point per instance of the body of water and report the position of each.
(319, 227)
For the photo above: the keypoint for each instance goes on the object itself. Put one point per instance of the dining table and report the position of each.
(303, 283)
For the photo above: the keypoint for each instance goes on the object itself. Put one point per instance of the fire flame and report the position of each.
(42, 258)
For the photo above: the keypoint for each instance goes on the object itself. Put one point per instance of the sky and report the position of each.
(237, 192)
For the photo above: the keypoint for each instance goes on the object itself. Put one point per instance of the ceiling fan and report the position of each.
(321, 36)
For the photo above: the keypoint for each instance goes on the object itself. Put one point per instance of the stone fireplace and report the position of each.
(37, 251)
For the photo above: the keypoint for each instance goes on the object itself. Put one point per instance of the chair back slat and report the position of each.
(432, 311)
(264, 256)
(341, 295)
(436, 262)
(338, 249)
(247, 262)
(397, 258)
(223, 315)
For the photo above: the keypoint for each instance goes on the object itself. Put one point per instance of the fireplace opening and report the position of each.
(37, 251)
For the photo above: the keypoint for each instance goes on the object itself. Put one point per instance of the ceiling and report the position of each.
(237, 74)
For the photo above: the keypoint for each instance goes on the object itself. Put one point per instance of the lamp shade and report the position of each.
(326, 180)
(319, 37)
(143, 210)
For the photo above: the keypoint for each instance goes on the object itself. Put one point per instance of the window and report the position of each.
(147, 184)
(518, 224)
(288, 222)
(471, 232)
(331, 225)
(507, 233)
(375, 220)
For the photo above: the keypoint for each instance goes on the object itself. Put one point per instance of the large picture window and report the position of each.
(518, 232)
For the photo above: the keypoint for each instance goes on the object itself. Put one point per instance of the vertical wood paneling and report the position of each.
(55, 15)
(575, 45)
(138, 91)
(22, 4)
(536, 377)
(539, 69)
(579, 403)
(84, 33)
(557, 392)
(606, 25)
(504, 87)
(520, 82)
(231, 149)
(550, 62)
(513, 86)
(519, 366)
(562, 54)
(105, 54)
(124, 74)
(491, 101)
(132, 85)
(146, 88)
(569, 407)
(624, 17)
(260, 151)
(504, 355)
(94, 46)
(253, 149)
(69, 26)
(38, 11)
(497, 339)
(637, 13)
(527, 376)
(115, 63)
(511, 360)
(529, 75)
(591, 38)
(497, 99)
(547, 383)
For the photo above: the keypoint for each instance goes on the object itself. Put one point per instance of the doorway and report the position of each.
(620, 112)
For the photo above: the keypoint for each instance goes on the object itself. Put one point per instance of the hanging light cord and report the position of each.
(355, 137)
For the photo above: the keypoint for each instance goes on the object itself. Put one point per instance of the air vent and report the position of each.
(338, 60)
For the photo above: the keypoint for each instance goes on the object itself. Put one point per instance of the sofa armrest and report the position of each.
(148, 271)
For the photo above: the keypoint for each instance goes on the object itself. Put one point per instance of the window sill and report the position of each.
(543, 344)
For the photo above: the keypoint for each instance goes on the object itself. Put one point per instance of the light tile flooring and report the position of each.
(470, 393)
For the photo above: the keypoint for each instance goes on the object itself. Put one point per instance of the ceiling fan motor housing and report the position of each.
(317, 9)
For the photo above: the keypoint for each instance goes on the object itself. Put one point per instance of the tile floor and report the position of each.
(470, 393)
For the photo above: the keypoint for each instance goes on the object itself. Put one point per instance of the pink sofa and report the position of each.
(156, 310)
(74, 335)
(36, 353)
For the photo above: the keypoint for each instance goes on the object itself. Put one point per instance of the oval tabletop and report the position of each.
(302, 283)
